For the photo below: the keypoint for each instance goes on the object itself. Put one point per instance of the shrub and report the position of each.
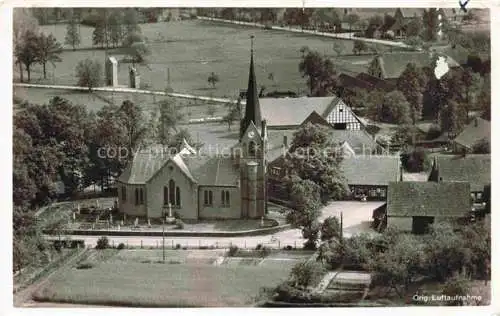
(288, 247)
(84, 265)
(258, 247)
(102, 243)
(178, 246)
(416, 160)
(184, 248)
(121, 246)
(264, 252)
(232, 251)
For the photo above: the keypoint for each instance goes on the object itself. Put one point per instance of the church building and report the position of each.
(209, 186)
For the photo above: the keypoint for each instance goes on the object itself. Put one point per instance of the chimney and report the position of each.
(285, 141)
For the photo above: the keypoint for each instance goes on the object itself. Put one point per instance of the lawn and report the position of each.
(193, 49)
(162, 285)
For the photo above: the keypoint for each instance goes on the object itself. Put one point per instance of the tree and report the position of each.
(330, 228)
(430, 22)
(233, 114)
(48, 50)
(394, 109)
(414, 28)
(115, 28)
(131, 21)
(374, 23)
(132, 119)
(359, 46)
(411, 83)
(457, 286)
(404, 135)
(99, 34)
(307, 273)
(89, 73)
(26, 51)
(213, 79)
(415, 41)
(352, 19)
(415, 160)
(72, 34)
(169, 119)
(23, 21)
(131, 38)
(320, 73)
(138, 52)
(452, 117)
(484, 99)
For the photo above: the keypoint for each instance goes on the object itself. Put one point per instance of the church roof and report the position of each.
(204, 170)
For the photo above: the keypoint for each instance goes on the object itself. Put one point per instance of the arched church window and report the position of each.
(165, 195)
(171, 192)
(177, 197)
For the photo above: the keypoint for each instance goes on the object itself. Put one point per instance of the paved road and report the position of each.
(356, 219)
(348, 36)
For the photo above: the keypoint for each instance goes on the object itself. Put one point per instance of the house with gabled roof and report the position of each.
(413, 206)
(476, 131)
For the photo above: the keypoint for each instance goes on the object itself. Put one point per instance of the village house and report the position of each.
(402, 17)
(479, 130)
(474, 169)
(413, 206)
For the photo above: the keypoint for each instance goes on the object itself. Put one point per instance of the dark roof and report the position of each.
(143, 166)
(475, 169)
(315, 118)
(393, 64)
(350, 82)
(212, 170)
(204, 170)
(291, 112)
(440, 199)
(359, 140)
(477, 130)
(275, 142)
(371, 169)
(252, 107)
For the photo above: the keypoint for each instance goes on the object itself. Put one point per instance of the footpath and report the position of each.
(344, 36)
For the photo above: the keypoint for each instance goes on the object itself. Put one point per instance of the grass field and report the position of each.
(193, 49)
(124, 280)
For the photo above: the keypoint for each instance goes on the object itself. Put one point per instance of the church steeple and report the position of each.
(252, 107)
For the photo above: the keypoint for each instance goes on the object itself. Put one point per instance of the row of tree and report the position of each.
(60, 140)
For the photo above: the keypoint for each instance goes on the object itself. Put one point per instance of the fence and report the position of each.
(205, 244)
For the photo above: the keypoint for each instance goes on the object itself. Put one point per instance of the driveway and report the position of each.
(356, 216)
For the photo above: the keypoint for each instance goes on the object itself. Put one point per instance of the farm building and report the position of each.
(477, 131)
(413, 206)
(474, 169)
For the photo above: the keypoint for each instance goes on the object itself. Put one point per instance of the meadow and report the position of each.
(125, 281)
(192, 49)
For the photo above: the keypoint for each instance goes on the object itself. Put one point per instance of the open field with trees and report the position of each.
(193, 50)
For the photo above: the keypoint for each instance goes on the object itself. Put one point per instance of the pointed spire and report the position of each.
(252, 107)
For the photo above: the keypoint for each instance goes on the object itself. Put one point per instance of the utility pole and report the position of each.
(163, 237)
(341, 227)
